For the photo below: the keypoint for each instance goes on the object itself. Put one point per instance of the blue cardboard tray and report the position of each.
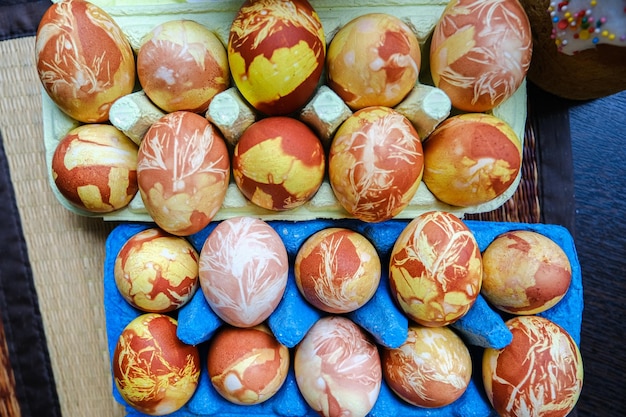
(481, 327)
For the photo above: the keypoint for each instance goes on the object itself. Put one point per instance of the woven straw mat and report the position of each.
(66, 251)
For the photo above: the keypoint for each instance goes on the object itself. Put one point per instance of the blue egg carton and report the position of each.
(481, 327)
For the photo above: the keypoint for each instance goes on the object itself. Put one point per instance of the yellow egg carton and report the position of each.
(138, 18)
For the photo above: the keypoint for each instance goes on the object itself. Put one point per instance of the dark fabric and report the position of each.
(19, 308)
(20, 18)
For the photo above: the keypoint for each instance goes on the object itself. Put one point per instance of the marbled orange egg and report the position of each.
(95, 168)
(540, 373)
(432, 368)
(435, 269)
(276, 53)
(337, 368)
(156, 272)
(183, 169)
(337, 270)
(279, 163)
(373, 60)
(84, 60)
(471, 159)
(480, 52)
(153, 370)
(247, 366)
(375, 163)
(182, 65)
(525, 272)
(243, 270)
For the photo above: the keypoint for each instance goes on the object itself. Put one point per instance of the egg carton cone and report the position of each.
(480, 328)
(136, 19)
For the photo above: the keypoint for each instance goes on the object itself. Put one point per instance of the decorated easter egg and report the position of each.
(338, 368)
(247, 366)
(471, 159)
(156, 272)
(373, 60)
(154, 371)
(183, 169)
(276, 53)
(95, 168)
(432, 368)
(337, 270)
(435, 269)
(279, 163)
(375, 164)
(480, 52)
(540, 373)
(84, 60)
(525, 272)
(182, 65)
(243, 270)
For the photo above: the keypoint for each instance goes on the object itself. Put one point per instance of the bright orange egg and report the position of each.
(153, 370)
(156, 272)
(279, 163)
(84, 60)
(375, 164)
(373, 60)
(247, 366)
(95, 167)
(276, 52)
(540, 373)
(435, 269)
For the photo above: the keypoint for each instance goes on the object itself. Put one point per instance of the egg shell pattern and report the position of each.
(539, 374)
(338, 368)
(84, 60)
(276, 53)
(380, 317)
(375, 163)
(183, 169)
(279, 163)
(157, 272)
(435, 270)
(153, 369)
(373, 60)
(337, 270)
(182, 65)
(95, 167)
(247, 366)
(471, 159)
(480, 52)
(524, 272)
(431, 369)
(243, 270)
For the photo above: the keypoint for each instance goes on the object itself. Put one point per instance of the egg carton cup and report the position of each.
(481, 327)
(136, 20)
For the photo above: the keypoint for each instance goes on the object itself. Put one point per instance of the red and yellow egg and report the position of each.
(94, 167)
(156, 272)
(183, 169)
(375, 163)
(276, 53)
(182, 65)
(470, 159)
(279, 163)
(525, 272)
(432, 368)
(435, 269)
(154, 371)
(337, 270)
(247, 366)
(84, 60)
(480, 52)
(373, 60)
(540, 373)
